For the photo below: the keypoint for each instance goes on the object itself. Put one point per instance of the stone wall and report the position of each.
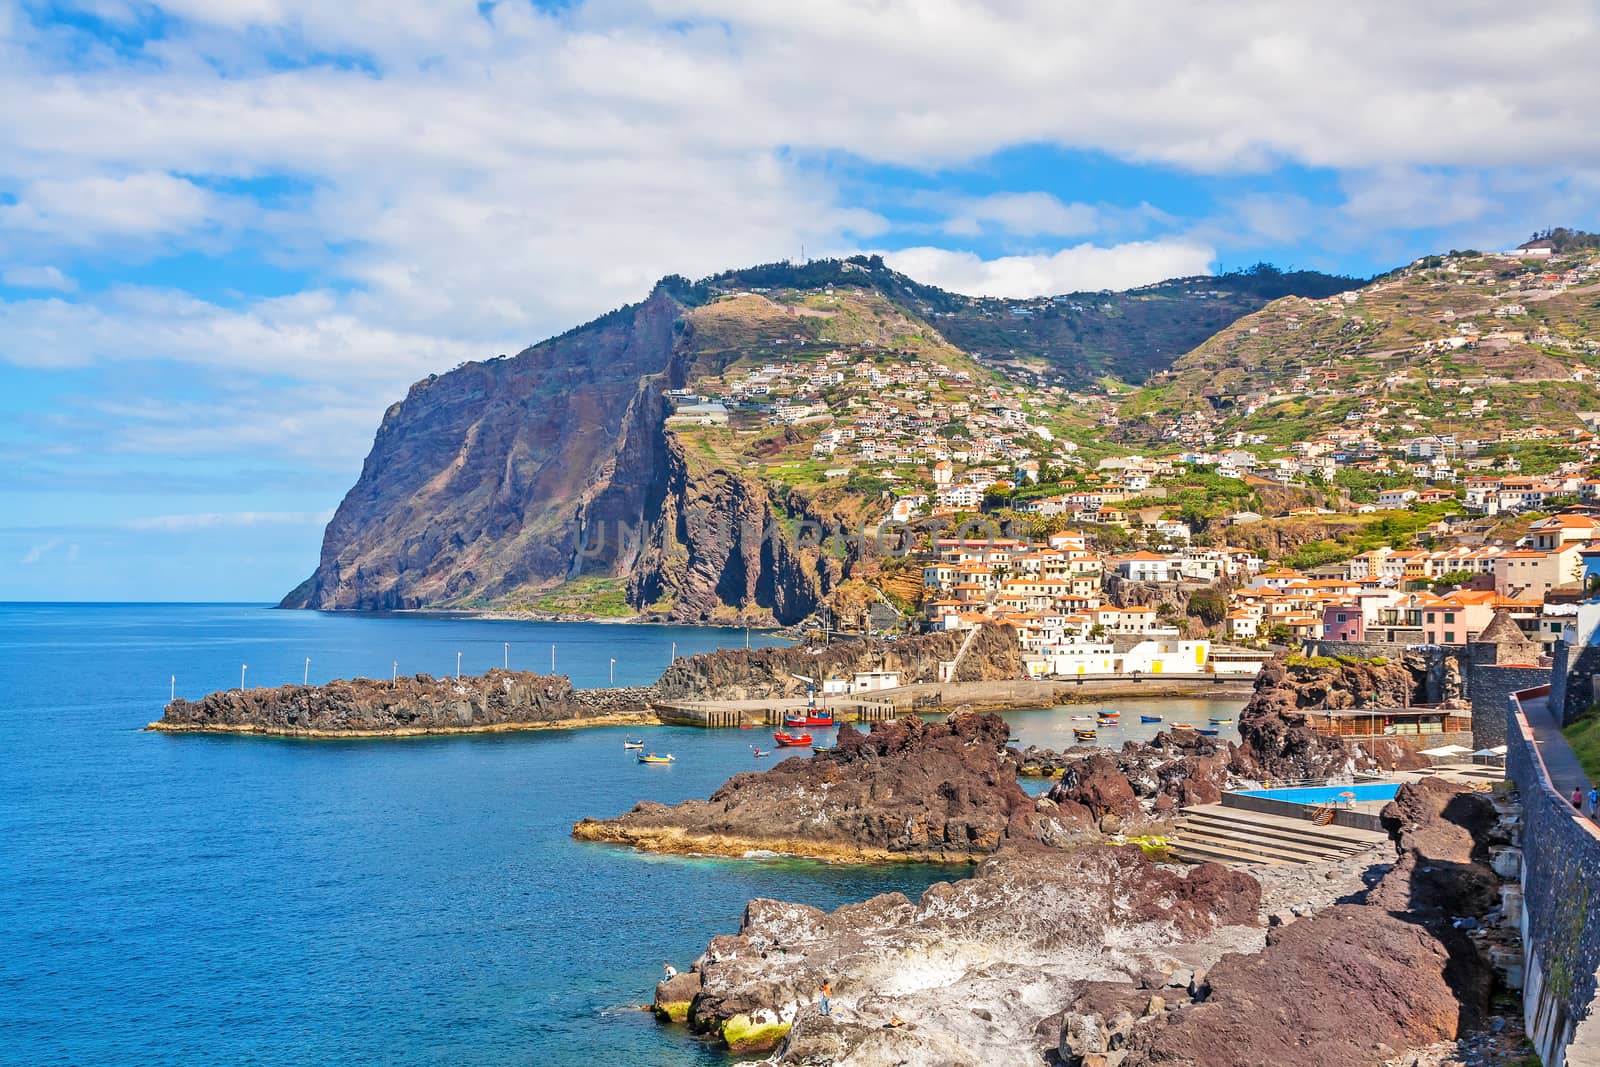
(1358, 649)
(1560, 912)
(1491, 687)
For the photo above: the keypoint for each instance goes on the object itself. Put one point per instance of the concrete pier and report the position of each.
(735, 713)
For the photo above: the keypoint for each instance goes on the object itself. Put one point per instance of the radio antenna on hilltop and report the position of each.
(803, 258)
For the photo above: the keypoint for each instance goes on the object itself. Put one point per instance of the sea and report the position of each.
(240, 900)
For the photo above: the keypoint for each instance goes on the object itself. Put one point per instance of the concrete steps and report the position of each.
(1236, 837)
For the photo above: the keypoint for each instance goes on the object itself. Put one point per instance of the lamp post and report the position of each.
(242, 668)
(552, 659)
(394, 675)
(305, 678)
(613, 672)
(174, 689)
(458, 666)
(674, 651)
(506, 661)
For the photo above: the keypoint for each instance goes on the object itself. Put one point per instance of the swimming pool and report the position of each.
(1326, 794)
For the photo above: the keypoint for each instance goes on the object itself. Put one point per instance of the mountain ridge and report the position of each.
(551, 480)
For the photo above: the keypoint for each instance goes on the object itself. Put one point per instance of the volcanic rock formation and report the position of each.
(1097, 956)
(909, 790)
(498, 700)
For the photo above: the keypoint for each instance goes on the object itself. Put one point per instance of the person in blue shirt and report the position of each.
(1594, 801)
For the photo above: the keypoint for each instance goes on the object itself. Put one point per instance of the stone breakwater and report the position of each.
(909, 791)
(410, 705)
(1098, 957)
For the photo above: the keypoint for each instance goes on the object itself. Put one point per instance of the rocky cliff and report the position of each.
(500, 477)
(420, 704)
(504, 480)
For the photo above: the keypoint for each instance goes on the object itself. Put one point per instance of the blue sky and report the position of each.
(233, 231)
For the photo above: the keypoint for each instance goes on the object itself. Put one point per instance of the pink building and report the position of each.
(1342, 622)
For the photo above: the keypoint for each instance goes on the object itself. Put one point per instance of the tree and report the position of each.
(1209, 605)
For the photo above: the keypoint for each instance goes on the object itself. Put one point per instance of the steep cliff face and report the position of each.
(718, 549)
(494, 480)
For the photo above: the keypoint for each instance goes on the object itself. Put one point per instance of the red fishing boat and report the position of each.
(813, 717)
(791, 740)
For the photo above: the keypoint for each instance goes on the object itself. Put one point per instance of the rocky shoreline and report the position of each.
(909, 791)
(408, 706)
(1098, 957)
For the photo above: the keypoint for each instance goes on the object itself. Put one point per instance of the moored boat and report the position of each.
(628, 742)
(1083, 718)
(1106, 722)
(1149, 718)
(813, 718)
(1221, 722)
(787, 740)
(822, 748)
(1084, 735)
(1182, 726)
(651, 757)
(1211, 732)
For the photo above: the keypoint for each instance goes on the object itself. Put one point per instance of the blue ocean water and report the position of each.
(228, 900)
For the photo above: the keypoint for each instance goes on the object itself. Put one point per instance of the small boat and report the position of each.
(1083, 718)
(1083, 735)
(1211, 732)
(822, 748)
(1182, 726)
(1149, 718)
(1108, 713)
(814, 718)
(1221, 722)
(651, 757)
(628, 742)
(791, 740)
(1106, 722)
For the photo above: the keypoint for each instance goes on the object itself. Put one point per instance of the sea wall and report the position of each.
(418, 704)
(1560, 912)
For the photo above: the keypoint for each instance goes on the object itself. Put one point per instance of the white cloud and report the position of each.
(214, 520)
(91, 209)
(38, 278)
(39, 551)
(1032, 214)
(1083, 266)
(461, 184)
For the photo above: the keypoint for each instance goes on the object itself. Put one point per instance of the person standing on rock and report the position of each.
(670, 971)
(825, 1008)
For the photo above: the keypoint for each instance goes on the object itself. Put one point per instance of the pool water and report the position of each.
(1326, 794)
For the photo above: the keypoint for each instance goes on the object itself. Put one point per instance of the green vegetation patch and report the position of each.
(1584, 737)
(591, 594)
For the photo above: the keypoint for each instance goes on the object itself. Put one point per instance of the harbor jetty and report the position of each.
(409, 705)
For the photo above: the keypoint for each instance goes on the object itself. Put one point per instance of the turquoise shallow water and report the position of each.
(191, 899)
(1327, 794)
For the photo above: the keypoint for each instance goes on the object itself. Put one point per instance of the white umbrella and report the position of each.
(1446, 750)
(1498, 750)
